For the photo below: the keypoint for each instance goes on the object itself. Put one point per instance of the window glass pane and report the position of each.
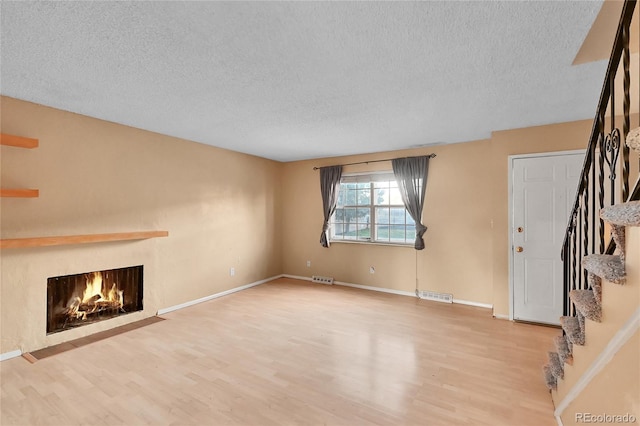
(350, 232)
(395, 197)
(349, 221)
(410, 220)
(411, 234)
(338, 230)
(350, 197)
(364, 185)
(339, 215)
(364, 197)
(382, 232)
(381, 184)
(381, 196)
(397, 215)
(363, 215)
(364, 233)
(397, 233)
(382, 215)
(341, 196)
(345, 189)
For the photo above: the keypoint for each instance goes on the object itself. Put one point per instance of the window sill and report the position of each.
(372, 243)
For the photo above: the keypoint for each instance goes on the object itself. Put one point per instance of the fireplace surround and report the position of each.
(86, 298)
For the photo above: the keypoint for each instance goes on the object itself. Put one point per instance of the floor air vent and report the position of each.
(437, 297)
(322, 280)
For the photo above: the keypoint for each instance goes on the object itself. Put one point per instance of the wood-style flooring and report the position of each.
(292, 352)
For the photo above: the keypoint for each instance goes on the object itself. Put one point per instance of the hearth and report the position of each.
(81, 299)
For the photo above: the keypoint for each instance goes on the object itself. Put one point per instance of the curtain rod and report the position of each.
(378, 161)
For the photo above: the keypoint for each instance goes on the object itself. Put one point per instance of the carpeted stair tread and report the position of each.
(571, 327)
(595, 283)
(586, 304)
(563, 350)
(581, 322)
(557, 366)
(624, 214)
(618, 235)
(549, 378)
(607, 266)
(633, 139)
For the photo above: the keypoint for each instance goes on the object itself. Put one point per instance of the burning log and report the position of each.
(93, 299)
(81, 299)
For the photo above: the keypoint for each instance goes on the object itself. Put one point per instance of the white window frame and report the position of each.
(371, 178)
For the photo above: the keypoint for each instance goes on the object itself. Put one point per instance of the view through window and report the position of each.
(370, 209)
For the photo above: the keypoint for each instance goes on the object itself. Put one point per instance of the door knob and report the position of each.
(519, 249)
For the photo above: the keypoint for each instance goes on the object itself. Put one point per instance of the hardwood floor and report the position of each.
(292, 352)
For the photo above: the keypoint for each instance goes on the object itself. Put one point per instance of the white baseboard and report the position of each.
(501, 316)
(559, 420)
(296, 277)
(380, 289)
(214, 296)
(477, 304)
(615, 344)
(391, 291)
(8, 355)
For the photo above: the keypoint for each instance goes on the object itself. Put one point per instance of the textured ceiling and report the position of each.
(298, 80)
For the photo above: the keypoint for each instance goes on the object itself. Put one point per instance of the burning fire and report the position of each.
(95, 298)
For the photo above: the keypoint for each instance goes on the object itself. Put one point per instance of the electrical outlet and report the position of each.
(372, 270)
(308, 264)
(232, 271)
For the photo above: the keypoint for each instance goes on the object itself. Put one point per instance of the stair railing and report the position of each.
(607, 159)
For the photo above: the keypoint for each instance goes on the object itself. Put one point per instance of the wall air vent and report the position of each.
(322, 280)
(436, 297)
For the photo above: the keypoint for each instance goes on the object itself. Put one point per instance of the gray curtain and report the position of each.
(411, 175)
(329, 187)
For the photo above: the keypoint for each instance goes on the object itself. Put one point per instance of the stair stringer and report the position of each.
(619, 304)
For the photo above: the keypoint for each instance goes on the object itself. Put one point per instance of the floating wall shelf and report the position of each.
(18, 141)
(19, 193)
(79, 239)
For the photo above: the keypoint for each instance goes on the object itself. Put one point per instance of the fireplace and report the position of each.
(81, 299)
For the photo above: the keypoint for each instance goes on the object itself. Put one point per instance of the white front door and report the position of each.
(543, 191)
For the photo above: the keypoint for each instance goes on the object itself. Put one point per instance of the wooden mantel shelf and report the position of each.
(79, 239)
(18, 141)
(20, 193)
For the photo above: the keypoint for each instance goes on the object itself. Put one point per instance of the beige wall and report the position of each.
(466, 211)
(96, 177)
(222, 210)
(457, 257)
(614, 391)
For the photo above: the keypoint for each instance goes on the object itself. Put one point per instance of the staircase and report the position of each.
(607, 317)
(593, 371)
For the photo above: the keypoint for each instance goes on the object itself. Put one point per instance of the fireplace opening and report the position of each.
(81, 299)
